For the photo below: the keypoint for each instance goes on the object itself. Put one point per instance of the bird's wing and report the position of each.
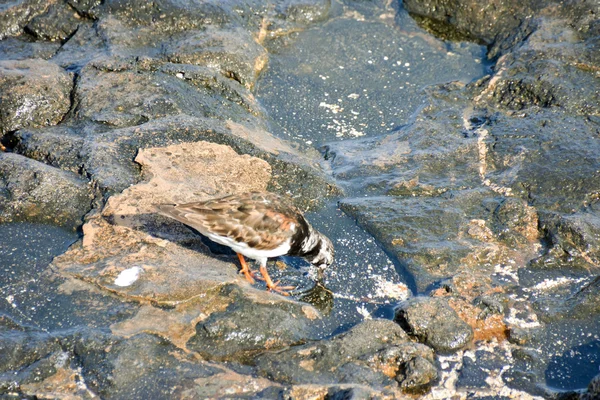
(262, 221)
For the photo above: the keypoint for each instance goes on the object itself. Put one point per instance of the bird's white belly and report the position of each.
(247, 251)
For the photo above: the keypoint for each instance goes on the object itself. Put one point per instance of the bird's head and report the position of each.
(324, 257)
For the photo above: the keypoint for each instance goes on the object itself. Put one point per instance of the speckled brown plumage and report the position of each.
(258, 225)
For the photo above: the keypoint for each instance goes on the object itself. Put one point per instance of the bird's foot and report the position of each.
(282, 290)
(274, 287)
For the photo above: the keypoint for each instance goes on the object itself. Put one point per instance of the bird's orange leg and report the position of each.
(245, 270)
(274, 286)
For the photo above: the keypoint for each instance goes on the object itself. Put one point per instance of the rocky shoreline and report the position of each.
(488, 199)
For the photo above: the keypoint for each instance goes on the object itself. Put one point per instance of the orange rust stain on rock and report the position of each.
(486, 329)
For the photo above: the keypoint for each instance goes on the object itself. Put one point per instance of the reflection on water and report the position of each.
(319, 296)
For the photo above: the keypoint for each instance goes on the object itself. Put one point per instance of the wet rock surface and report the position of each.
(33, 191)
(375, 353)
(434, 323)
(504, 172)
(33, 93)
(483, 193)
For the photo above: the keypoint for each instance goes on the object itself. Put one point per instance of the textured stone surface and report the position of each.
(434, 323)
(128, 233)
(32, 191)
(33, 93)
(15, 15)
(487, 199)
(376, 353)
(57, 24)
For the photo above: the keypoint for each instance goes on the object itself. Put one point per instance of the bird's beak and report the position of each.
(320, 273)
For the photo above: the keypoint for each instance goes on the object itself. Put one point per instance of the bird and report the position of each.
(257, 225)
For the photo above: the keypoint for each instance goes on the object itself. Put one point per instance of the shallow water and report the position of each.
(361, 73)
(31, 295)
(26, 249)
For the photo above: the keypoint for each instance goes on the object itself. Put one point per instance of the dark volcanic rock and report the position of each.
(375, 353)
(107, 155)
(16, 14)
(168, 16)
(571, 239)
(85, 7)
(123, 93)
(502, 24)
(19, 349)
(547, 161)
(21, 48)
(58, 146)
(532, 78)
(33, 93)
(32, 191)
(233, 52)
(515, 222)
(247, 327)
(435, 323)
(582, 304)
(455, 19)
(146, 366)
(57, 24)
(85, 45)
(304, 11)
(593, 392)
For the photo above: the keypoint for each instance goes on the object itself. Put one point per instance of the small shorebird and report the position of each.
(257, 225)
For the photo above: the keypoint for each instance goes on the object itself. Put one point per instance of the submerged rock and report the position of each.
(427, 233)
(571, 239)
